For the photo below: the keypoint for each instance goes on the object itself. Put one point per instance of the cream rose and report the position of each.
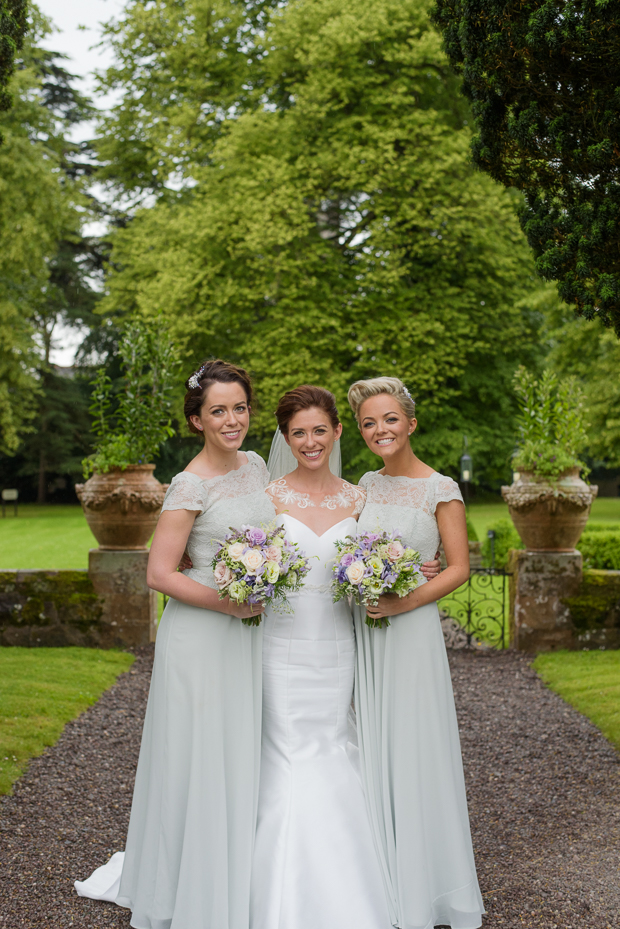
(273, 553)
(235, 551)
(355, 572)
(252, 560)
(395, 550)
(223, 575)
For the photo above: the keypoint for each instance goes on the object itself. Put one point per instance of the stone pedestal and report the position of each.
(540, 583)
(129, 606)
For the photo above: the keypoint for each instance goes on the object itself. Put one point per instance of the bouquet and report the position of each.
(371, 564)
(254, 565)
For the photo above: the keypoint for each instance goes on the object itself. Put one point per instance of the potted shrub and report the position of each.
(122, 499)
(548, 501)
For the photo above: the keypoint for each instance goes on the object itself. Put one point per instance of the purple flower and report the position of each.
(347, 559)
(256, 536)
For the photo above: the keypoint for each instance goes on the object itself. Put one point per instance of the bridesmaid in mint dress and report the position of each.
(407, 727)
(188, 857)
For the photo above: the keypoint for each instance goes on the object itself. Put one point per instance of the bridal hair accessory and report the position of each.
(407, 394)
(194, 381)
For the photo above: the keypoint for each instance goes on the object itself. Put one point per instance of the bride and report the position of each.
(314, 860)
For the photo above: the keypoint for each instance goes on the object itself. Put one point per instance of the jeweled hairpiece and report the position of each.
(407, 394)
(194, 381)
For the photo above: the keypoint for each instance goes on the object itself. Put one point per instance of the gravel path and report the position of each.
(543, 788)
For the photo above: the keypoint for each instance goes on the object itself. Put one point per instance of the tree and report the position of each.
(334, 229)
(44, 261)
(542, 76)
(12, 30)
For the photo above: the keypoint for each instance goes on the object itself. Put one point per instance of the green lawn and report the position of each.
(41, 689)
(589, 681)
(45, 537)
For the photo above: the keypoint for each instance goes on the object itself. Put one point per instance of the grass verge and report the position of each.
(41, 689)
(589, 681)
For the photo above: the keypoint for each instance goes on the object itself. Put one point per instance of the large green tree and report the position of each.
(543, 77)
(331, 226)
(13, 25)
(44, 260)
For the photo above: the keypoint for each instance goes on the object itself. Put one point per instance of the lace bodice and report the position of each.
(233, 499)
(348, 496)
(407, 505)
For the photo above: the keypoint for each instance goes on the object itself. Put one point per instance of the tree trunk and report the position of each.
(42, 489)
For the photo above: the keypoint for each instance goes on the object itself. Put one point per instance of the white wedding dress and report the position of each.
(315, 865)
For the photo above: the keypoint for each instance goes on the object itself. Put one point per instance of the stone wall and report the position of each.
(49, 608)
(554, 604)
(107, 606)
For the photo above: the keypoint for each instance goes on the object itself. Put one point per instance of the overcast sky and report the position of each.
(67, 16)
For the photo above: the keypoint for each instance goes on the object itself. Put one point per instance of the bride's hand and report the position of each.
(186, 562)
(431, 569)
(242, 610)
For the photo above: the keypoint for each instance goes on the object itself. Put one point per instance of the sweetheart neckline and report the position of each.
(312, 530)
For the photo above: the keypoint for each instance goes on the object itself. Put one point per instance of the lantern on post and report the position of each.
(467, 470)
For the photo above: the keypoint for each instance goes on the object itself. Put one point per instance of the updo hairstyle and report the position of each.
(363, 390)
(211, 372)
(305, 398)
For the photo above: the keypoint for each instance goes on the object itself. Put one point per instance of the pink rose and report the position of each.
(394, 551)
(223, 575)
(273, 553)
(355, 572)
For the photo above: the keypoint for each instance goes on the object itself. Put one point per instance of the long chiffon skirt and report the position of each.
(413, 773)
(190, 842)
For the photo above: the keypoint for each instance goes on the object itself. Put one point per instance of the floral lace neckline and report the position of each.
(405, 477)
(348, 496)
(219, 477)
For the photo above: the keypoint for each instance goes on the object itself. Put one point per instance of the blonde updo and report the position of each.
(363, 390)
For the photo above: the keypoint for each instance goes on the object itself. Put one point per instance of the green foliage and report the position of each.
(601, 548)
(12, 30)
(550, 423)
(472, 535)
(589, 681)
(41, 690)
(42, 209)
(506, 538)
(543, 80)
(334, 227)
(591, 354)
(131, 427)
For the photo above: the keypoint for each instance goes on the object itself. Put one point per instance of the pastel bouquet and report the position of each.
(254, 565)
(371, 564)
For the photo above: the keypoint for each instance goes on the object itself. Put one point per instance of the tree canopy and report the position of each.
(543, 77)
(329, 225)
(12, 31)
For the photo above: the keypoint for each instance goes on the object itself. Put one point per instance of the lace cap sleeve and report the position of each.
(186, 492)
(260, 466)
(445, 490)
(365, 480)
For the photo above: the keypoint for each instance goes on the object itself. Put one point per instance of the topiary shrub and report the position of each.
(506, 537)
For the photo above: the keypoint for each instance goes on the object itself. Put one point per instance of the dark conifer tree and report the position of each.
(543, 77)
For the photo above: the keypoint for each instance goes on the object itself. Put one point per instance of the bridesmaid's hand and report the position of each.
(242, 610)
(391, 605)
(431, 569)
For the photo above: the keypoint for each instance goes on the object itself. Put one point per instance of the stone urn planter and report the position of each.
(550, 515)
(122, 506)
